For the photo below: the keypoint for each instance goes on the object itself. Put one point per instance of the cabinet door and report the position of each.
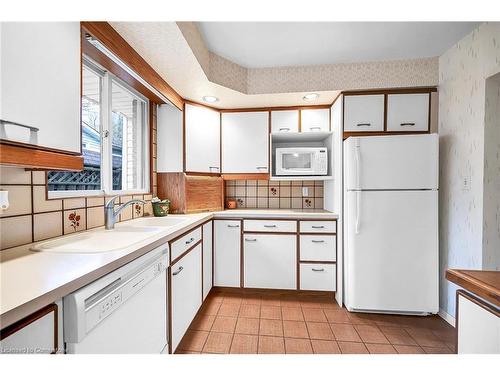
(227, 246)
(408, 112)
(36, 334)
(202, 139)
(245, 142)
(284, 121)
(315, 120)
(363, 113)
(40, 83)
(185, 276)
(207, 258)
(270, 261)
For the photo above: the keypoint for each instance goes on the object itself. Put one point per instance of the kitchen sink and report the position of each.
(100, 241)
(166, 221)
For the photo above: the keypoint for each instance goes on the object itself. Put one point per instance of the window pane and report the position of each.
(128, 129)
(90, 177)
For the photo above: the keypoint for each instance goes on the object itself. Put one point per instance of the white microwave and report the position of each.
(301, 161)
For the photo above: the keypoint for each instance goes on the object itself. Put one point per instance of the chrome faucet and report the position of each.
(110, 214)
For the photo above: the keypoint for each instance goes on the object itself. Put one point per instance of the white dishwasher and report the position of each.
(122, 312)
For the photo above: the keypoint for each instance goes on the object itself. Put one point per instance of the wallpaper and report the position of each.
(463, 70)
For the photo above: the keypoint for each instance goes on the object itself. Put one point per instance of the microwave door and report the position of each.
(297, 162)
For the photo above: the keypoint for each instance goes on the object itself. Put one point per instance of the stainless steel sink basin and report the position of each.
(98, 241)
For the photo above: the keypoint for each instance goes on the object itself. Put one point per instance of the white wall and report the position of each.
(463, 70)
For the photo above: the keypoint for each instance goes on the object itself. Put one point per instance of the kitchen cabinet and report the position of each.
(207, 258)
(186, 293)
(318, 248)
(178, 247)
(227, 248)
(40, 84)
(245, 142)
(315, 120)
(364, 113)
(202, 127)
(270, 261)
(318, 276)
(408, 112)
(285, 121)
(35, 334)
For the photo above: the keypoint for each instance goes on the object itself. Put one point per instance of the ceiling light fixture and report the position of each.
(310, 97)
(210, 99)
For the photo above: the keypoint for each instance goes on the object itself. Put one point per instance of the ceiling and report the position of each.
(255, 44)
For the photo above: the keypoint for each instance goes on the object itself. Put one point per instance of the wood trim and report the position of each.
(169, 299)
(105, 33)
(475, 300)
(245, 176)
(100, 58)
(318, 262)
(285, 292)
(364, 134)
(198, 104)
(400, 90)
(152, 122)
(277, 108)
(176, 260)
(490, 292)
(28, 157)
(13, 328)
(204, 174)
(242, 256)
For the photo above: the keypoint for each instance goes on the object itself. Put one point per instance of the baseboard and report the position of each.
(450, 319)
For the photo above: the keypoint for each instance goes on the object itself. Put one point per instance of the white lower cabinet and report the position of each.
(318, 276)
(207, 258)
(227, 248)
(36, 334)
(186, 293)
(270, 261)
(318, 248)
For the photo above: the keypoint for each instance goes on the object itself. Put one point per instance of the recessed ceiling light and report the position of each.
(310, 97)
(210, 99)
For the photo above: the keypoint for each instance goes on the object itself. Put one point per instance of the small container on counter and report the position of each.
(231, 204)
(160, 207)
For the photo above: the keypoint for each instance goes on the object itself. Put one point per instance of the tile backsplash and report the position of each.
(275, 194)
(32, 217)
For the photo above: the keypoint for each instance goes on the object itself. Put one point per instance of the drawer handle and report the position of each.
(318, 269)
(251, 239)
(284, 129)
(214, 168)
(364, 124)
(315, 127)
(318, 241)
(179, 270)
(407, 124)
(318, 226)
(233, 226)
(189, 241)
(269, 226)
(261, 167)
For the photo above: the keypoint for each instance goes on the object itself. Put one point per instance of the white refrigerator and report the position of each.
(391, 259)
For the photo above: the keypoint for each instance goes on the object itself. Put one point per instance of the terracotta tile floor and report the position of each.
(251, 323)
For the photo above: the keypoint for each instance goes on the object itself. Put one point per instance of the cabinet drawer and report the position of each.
(363, 113)
(270, 226)
(315, 120)
(318, 248)
(318, 277)
(284, 121)
(227, 249)
(408, 112)
(185, 242)
(318, 226)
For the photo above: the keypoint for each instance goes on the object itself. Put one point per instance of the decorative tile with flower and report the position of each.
(74, 219)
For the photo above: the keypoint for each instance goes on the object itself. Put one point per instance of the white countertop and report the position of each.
(31, 280)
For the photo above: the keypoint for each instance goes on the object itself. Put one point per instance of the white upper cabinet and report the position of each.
(169, 139)
(202, 139)
(245, 142)
(408, 112)
(284, 121)
(40, 68)
(315, 120)
(363, 113)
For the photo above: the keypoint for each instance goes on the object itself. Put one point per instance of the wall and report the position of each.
(463, 70)
(275, 194)
(491, 195)
(32, 217)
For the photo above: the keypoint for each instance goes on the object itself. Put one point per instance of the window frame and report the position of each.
(106, 169)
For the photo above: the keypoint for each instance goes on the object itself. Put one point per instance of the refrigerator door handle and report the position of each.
(357, 156)
(358, 211)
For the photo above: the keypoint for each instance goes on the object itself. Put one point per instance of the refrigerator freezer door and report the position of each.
(391, 162)
(392, 261)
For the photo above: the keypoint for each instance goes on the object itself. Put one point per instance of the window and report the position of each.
(115, 139)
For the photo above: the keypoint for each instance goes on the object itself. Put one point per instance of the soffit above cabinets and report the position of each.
(179, 53)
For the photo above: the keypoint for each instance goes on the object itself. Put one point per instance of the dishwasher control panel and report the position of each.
(112, 300)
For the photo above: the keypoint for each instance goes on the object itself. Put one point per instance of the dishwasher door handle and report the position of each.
(179, 270)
